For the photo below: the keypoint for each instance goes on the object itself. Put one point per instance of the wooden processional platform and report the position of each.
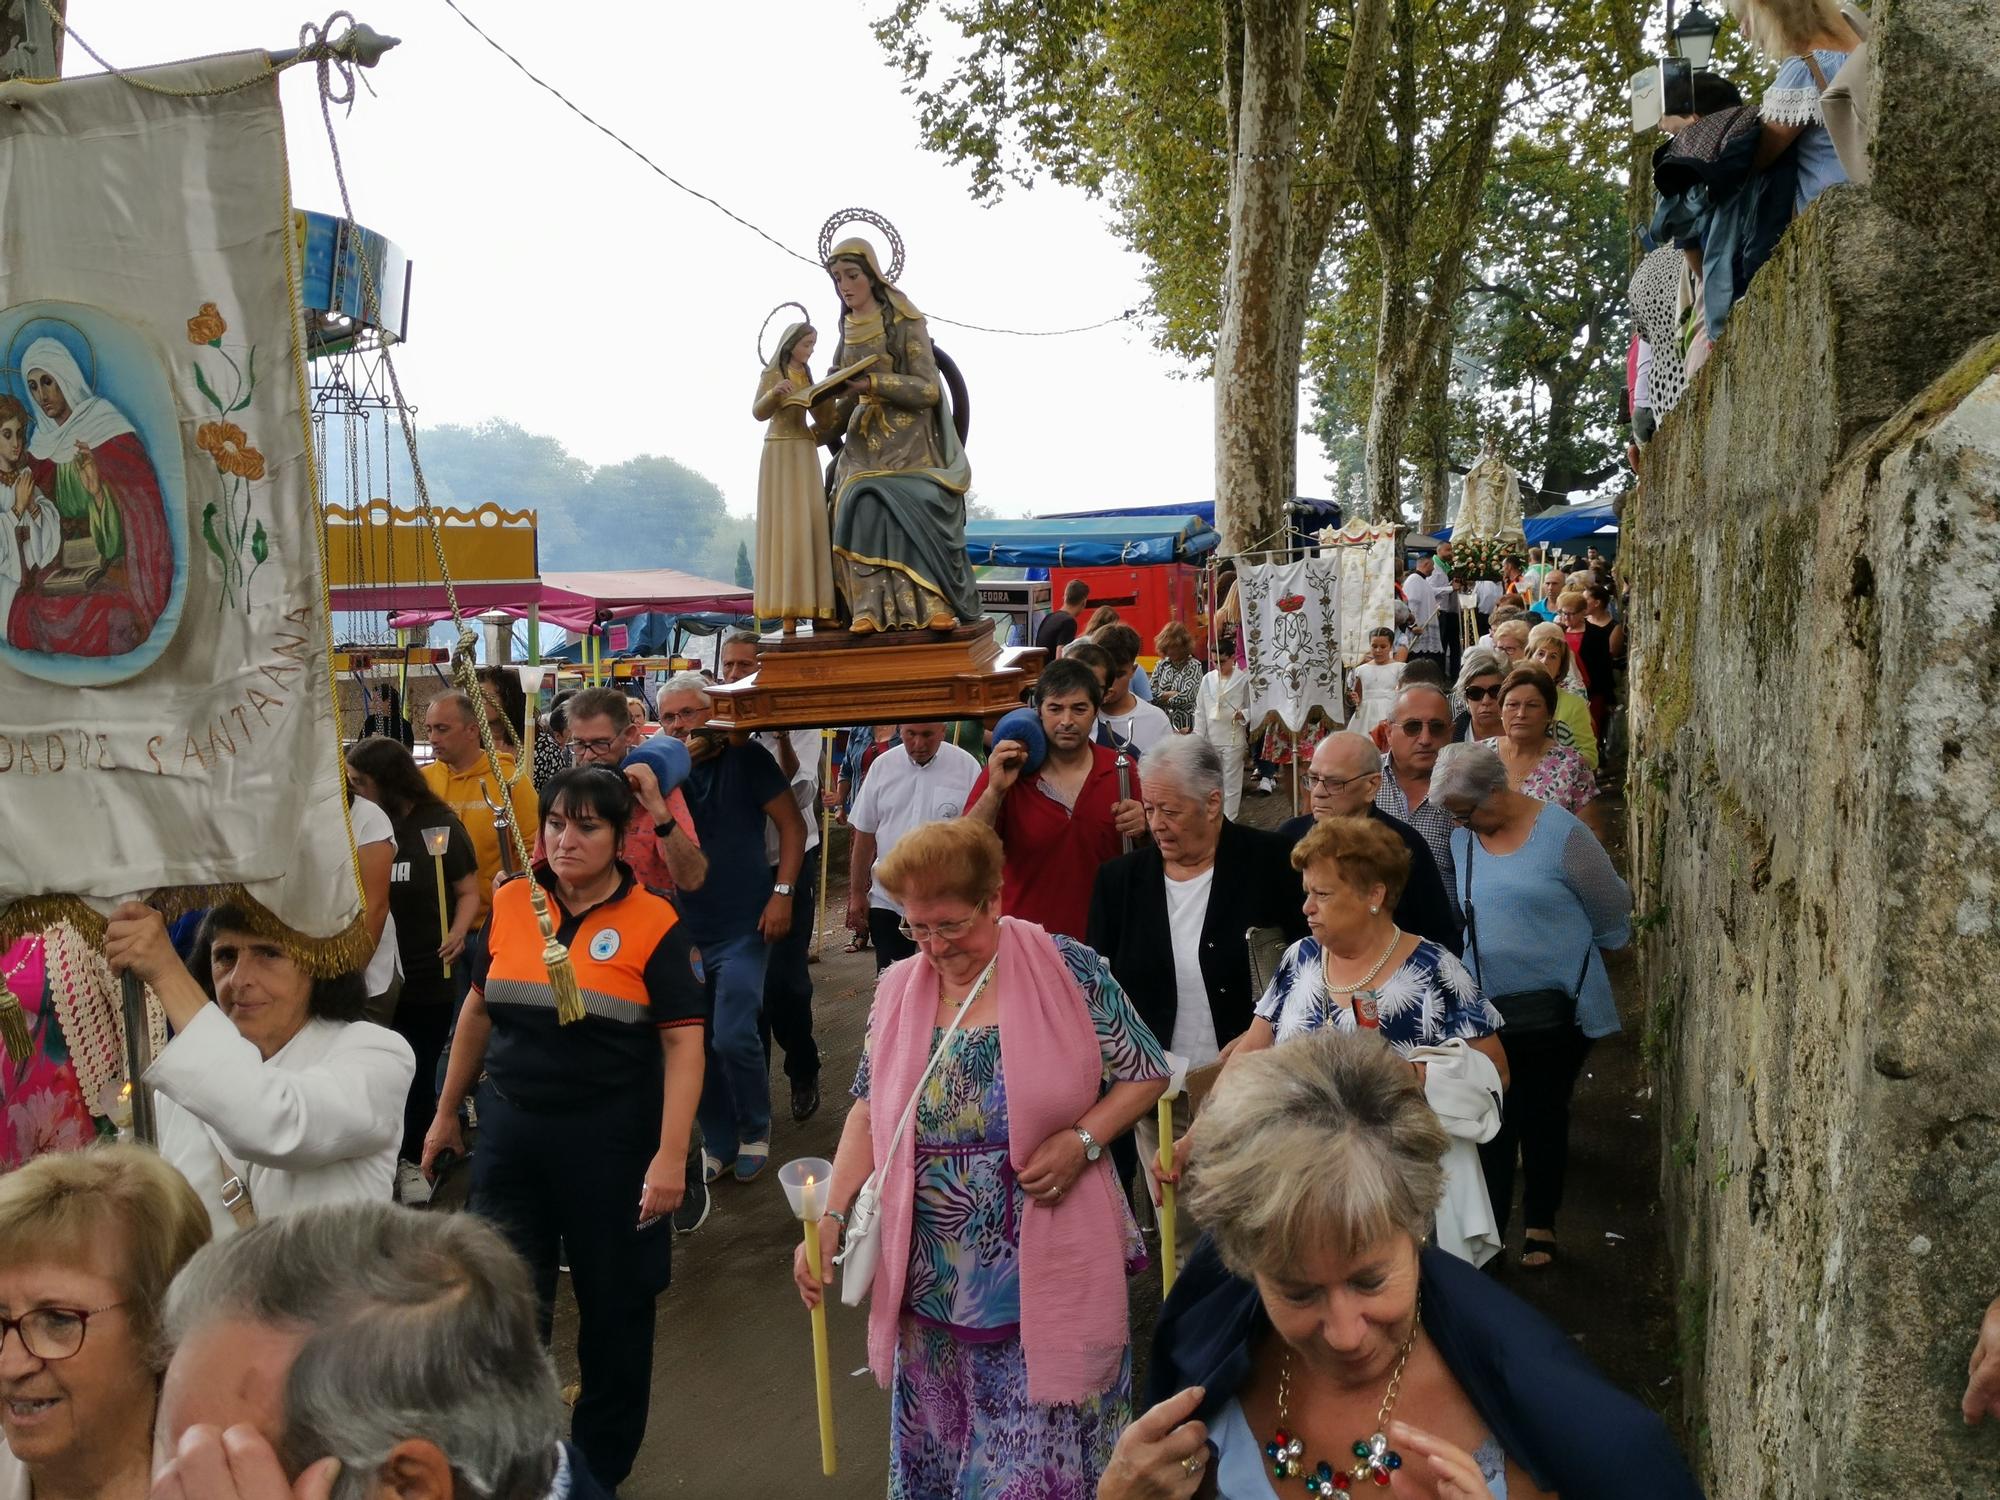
(834, 677)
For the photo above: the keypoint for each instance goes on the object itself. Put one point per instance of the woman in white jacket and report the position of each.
(272, 1095)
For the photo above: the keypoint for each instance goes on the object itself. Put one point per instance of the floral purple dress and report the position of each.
(960, 1419)
(45, 1105)
(1562, 777)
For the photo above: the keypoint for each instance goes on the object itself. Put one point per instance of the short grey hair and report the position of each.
(1188, 761)
(685, 682)
(1468, 773)
(417, 1326)
(1479, 661)
(1326, 1141)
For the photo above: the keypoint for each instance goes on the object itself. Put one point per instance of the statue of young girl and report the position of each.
(794, 575)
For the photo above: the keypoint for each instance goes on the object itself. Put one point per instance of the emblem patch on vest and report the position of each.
(604, 944)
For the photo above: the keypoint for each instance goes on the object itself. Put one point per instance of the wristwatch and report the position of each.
(666, 829)
(1091, 1150)
(782, 888)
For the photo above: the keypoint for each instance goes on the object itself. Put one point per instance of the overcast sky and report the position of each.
(561, 284)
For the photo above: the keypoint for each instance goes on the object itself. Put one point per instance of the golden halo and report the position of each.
(765, 327)
(874, 220)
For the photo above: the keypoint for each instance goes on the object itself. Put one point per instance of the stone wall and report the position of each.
(1815, 794)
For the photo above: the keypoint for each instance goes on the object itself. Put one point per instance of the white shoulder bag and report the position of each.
(862, 1244)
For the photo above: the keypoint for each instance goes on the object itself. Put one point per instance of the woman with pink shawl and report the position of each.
(997, 1315)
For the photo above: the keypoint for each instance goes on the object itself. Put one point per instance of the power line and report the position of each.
(723, 208)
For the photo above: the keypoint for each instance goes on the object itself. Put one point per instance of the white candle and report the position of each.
(809, 1195)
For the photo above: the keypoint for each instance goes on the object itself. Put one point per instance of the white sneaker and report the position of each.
(1265, 786)
(413, 1189)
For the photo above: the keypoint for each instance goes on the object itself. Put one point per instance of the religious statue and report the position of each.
(794, 574)
(101, 594)
(899, 483)
(1492, 503)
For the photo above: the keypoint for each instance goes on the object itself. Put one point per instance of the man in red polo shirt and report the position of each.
(1059, 824)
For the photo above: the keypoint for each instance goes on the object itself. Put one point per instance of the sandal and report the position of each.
(1536, 1245)
(856, 944)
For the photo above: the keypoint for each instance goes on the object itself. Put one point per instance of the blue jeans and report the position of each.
(735, 1089)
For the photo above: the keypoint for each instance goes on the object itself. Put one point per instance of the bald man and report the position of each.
(1345, 774)
(1419, 726)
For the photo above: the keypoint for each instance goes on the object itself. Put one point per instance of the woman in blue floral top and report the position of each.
(1358, 969)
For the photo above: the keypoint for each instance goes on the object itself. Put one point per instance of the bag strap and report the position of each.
(937, 1052)
(1812, 63)
(235, 1192)
(1471, 917)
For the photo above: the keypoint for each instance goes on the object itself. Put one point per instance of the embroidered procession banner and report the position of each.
(1291, 639)
(166, 703)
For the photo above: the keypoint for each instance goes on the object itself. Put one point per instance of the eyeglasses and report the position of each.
(950, 932)
(1335, 783)
(1480, 695)
(594, 747)
(1460, 817)
(1414, 727)
(52, 1332)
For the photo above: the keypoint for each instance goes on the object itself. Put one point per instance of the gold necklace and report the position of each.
(1373, 1457)
(1395, 937)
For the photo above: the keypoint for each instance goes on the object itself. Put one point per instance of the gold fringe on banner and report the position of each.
(323, 957)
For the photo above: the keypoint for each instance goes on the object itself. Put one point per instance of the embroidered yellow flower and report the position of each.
(206, 326)
(226, 443)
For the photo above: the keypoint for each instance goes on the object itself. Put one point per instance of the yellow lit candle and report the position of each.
(810, 1210)
(1168, 1258)
(436, 841)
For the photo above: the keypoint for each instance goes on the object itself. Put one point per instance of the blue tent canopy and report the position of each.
(1308, 514)
(1566, 525)
(1091, 541)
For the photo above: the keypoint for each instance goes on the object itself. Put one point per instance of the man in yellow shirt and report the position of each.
(463, 780)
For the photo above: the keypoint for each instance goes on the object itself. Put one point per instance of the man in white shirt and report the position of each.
(788, 986)
(921, 780)
(1420, 595)
(1127, 719)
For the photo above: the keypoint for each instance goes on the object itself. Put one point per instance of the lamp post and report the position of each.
(1694, 38)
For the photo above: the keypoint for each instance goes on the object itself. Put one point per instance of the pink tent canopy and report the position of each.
(576, 601)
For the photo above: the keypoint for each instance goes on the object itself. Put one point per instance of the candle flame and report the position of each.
(809, 1179)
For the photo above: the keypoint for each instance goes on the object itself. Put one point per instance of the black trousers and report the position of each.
(425, 1023)
(572, 1177)
(885, 936)
(788, 988)
(1543, 1071)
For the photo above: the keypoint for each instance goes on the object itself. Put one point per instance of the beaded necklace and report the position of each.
(1374, 1458)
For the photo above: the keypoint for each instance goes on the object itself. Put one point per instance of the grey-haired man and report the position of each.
(361, 1351)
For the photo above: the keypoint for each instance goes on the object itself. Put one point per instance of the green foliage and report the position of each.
(745, 578)
(647, 512)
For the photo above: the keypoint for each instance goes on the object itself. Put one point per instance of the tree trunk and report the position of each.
(1393, 392)
(1256, 371)
(1434, 431)
(1408, 335)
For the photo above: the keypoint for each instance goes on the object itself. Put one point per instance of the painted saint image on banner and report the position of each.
(93, 559)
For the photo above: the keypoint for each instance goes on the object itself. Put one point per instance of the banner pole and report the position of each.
(138, 1056)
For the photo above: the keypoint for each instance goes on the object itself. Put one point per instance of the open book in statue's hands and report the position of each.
(812, 395)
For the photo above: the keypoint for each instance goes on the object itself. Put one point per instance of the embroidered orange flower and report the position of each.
(206, 326)
(226, 443)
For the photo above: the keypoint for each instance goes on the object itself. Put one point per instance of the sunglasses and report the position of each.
(1415, 727)
(1481, 694)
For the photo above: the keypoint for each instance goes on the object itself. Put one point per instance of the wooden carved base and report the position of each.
(834, 677)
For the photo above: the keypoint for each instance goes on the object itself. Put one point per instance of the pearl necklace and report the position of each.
(1326, 974)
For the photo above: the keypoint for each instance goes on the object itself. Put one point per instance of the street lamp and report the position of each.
(1694, 37)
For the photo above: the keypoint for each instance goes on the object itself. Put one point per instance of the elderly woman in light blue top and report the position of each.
(1540, 898)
